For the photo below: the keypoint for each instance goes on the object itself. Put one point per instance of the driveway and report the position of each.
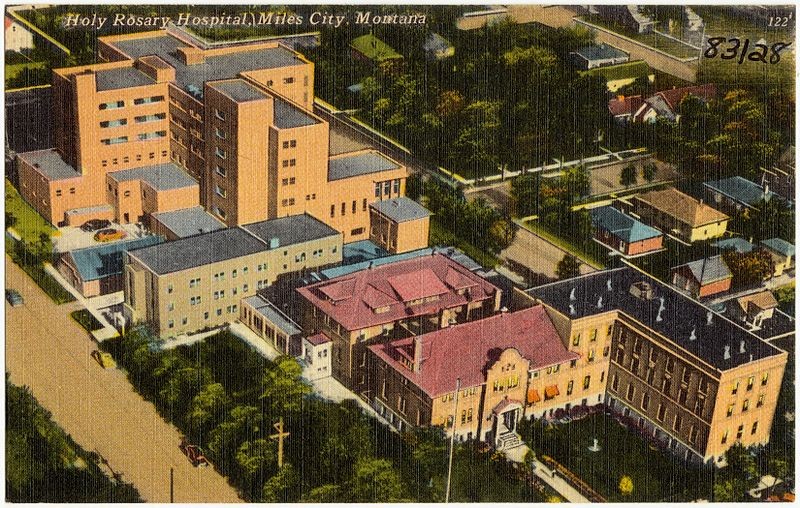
(47, 351)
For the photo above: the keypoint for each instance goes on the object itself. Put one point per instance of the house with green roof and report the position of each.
(371, 49)
(623, 233)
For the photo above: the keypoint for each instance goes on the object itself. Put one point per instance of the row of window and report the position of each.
(138, 119)
(136, 102)
(576, 338)
(750, 383)
(142, 137)
(740, 432)
(387, 187)
(126, 159)
(745, 405)
(353, 208)
(230, 309)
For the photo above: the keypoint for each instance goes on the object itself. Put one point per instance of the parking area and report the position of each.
(73, 237)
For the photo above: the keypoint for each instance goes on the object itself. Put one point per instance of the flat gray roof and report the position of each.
(199, 250)
(125, 77)
(401, 209)
(189, 221)
(214, 68)
(291, 230)
(273, 314)
(165, 176)
(359, 164)
(50, 164)
(240, 90)
(289, 116)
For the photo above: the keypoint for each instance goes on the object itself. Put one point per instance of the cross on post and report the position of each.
(279, 436)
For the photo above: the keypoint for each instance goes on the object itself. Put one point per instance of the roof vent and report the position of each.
(572, 295)
(504, 310)
(693, 335)
(608, 285)
(600, 303)
(709, 318)
(742, 347)
(571, 310)
(660, 309)
(751, 357)
(451, 322)
(642, 290)
(369, 267)
(727, 354)
(274, 242)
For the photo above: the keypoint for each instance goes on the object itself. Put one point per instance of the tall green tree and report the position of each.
(283, 387)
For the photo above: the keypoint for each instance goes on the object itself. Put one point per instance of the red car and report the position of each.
(194, 453)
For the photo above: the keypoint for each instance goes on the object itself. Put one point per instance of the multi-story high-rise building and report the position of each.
(177, 124)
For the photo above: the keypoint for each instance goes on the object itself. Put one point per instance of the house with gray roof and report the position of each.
(736, 194)
(591, 57)
(704, 277)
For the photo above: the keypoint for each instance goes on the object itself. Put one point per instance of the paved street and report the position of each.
(47, 351)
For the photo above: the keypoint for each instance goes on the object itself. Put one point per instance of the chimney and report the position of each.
(766, 190)
(621, 98)
(727, 354)
(417, 353)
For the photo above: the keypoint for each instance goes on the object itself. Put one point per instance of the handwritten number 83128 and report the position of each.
(733, 48)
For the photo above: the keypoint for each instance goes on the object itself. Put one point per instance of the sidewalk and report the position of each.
(547, 475)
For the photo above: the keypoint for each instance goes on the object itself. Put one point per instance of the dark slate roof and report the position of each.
(289, 116)
(215, 67)
(779, 245)
(189, 221)
(621, 225)
(708, 270)
(273, 314)
(102, 261)
(124, 77)
(359, 164)
(291, 230)
(740, 189)
(240, 90)
(199, 250)
(680, 315)
(165, 176)
(601, 52)
(740, 245)
(401, 209)
(50, 164)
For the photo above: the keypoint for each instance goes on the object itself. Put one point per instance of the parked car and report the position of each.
(104, 359)
(194, 453)
(109, 235)
(14, 298)
(95, 224)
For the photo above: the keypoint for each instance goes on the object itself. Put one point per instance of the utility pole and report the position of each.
(172, 485)
(452, 439)
(279, 436)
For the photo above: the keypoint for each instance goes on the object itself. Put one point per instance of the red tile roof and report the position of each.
(352, 300)
(466, 350)
(318, 338)
(625, 105)
(674, 96)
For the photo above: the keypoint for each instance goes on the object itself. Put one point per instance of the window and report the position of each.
(670, 364)
(645, 401)
(171, 324)
(593, 335)
(686, 375)
(735, 388)
(221, 192)
(333, 211)
(148, 100)
(222, 154)
(666, 385)
(378, 190)
(288, 81)
(396, 186)
(750, 382)
(676, 424)
(292, 162)
(221, 171)
(614, 383)
(112, 105)
(353, 209)
(605, 351)
(729, 413)
(662, 412)
(127, 194)
(760, 401)
(150, 118)
(115, 141)
(635, 366)
(754, 429)
(152, 135)
(58, 192)
(576, 339)
(573, 363)
(569, 387)
(169, 288)
(113, 123)
(651, 373)
(221, 134)
(219, 114)
(344, 208)
(387, 187)
(693, 434)
(725, 437)
(764, 379)
(586, 381)
(739, 432)
(745, 405)
(631, 391)
(194, 282)
(219, 211)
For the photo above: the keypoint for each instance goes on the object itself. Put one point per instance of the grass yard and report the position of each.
(628, 70)
(657, 475)
(441, 236)
(36, 272)
(84, 318)
(29, 224)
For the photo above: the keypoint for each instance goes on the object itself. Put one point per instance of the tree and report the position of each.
(501, 234)
(277, 488)
(10, 219)
(628, 175)
(375, 480)
(208, 404)
(626, 486)
(568, 267)
(778, 467)
(450, 103)
(770, 219)
(649, 171)
(257, 455)
(283, 387)
(327, 493)
(748, 268)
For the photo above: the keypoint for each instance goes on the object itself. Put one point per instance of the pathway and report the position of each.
(547, 475)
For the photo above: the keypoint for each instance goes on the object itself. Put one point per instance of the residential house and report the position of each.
(390, 301)
(736, 243)
(437, 47)
(370, 49)
(623, 233)
(782, 253)
(664, 104)
(753, 309)
(694, 380)
(736, 194)
(780, 177)
(703, 278)
(591, 57)
(18, 37)
(680, 215)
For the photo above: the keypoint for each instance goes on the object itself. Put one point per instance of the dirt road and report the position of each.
(49, 352)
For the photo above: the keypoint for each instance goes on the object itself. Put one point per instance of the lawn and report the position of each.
(13, 70)
(86, 320)
(36, 272)
(590, 252)
(29, 224)
(628, 70)
(657, 475)
(440, 235)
